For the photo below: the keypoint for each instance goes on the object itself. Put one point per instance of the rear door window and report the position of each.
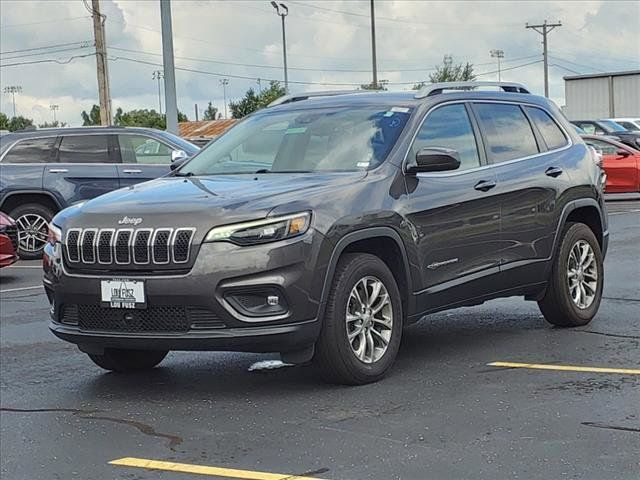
(507, 132)
(142, 149)
(85, 149)
(31, 150)
(548, 128)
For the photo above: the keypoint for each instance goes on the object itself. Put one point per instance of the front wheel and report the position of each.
(574, 291)
(122, 361)
(32, 220)
(363, 320)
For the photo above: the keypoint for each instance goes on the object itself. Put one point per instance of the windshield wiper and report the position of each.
(180, 174)
(263, 170)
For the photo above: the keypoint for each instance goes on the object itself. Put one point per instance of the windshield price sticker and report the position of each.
(122, 293)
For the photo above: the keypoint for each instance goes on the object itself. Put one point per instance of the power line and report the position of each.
(48, 60)
(49, 52)
(44, 47)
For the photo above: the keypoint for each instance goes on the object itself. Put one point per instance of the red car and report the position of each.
(621, 162)
(8, 241)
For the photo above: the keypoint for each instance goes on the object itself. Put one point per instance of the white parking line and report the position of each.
(20, 289)
(622, 213)
(26, 266)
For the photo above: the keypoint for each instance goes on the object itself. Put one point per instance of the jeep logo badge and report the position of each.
(130, 221)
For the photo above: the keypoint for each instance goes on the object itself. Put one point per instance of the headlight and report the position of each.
(261, 231)
(55, 234)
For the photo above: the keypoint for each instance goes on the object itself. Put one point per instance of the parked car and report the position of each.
(323, 225)
(8, 240)
(620, 162)
(632, 124)
(611, 129)
(44, 171)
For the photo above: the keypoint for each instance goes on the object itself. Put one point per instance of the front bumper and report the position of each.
(220, 268)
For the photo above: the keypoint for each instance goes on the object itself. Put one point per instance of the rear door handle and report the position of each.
(58, 170)
(485, 185)
(553, 172)
(131, 170)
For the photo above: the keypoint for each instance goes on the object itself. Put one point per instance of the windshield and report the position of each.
(312, 140)
(188, 147)
(612, 126)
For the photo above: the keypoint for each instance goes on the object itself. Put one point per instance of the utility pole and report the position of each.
(224, 82)
(282, 11)
(13, 89)
(170, 101)
(544, 30)
(158, 75)
(53, 108)
(497, 54)
(374, 62)
(101, 61)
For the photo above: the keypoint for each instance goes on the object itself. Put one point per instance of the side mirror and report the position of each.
(177, 163)
(177, 155)
(434, 159)
(622, 153)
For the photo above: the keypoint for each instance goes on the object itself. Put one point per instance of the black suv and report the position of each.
(44, 171)
(321, 226)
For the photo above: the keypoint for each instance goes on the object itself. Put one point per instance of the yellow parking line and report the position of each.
(566, 368)
(204, 470)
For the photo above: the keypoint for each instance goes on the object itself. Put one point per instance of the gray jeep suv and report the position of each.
(321, 226)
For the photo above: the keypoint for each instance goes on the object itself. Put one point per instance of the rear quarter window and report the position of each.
(30, 150)
(548, 128)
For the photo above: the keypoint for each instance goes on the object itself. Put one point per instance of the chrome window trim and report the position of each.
(169, 245)
(489, 165)
(111, 245)
(133, 246)
(93, 244)
(115, 244)
(66, 244)
(173, 242)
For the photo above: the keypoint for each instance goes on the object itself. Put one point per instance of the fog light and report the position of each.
(273, 300)
(257, 302)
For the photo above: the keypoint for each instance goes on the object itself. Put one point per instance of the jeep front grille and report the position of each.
(128, 246)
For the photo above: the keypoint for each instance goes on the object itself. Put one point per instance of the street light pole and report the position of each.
(282, 11)
(224, 82)
(373, 48)
(497, 54)
(13, 89)
(170, 101)
(158, 75)
(53, 108)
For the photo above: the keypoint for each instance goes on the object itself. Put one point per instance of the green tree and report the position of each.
(448, 72)
(253, 101)
(55, 124)
(91, 118)
(4, 122)
(19, 123)
(144, 118)
(382, 85)
(211, 113)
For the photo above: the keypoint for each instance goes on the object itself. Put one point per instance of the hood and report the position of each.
(202, 201)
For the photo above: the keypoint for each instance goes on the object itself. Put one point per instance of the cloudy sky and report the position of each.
(42, 49)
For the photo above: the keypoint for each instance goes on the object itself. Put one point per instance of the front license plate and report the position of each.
(123, 293)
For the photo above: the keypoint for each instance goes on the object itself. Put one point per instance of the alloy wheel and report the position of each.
(369, 319)
(582, 274)
(32, 232)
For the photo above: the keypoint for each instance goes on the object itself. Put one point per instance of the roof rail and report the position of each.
(306, 95)
(437, 88)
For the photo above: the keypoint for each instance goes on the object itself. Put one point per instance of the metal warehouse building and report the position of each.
(602, 95)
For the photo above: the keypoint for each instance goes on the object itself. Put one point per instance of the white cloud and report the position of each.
(411, 35)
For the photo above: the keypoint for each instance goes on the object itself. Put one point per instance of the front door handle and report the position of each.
(131, 170)
(553, 172)
(485, 185)
(58, 170)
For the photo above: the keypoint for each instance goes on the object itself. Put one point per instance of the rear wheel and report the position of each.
(32, 220)
(363, 320)
(575, 289)
(119, 360)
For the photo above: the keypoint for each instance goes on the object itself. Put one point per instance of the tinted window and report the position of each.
(84, 149)
(449, 127)
(507, 132)
(141, 149)
(550, 131)
(31, 150)
(607, 148)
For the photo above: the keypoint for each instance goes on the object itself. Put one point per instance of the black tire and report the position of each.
(28, 210)
(557, 305)
(334, 357)
(122, 361)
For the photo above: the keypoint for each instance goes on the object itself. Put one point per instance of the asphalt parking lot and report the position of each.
(443, 412)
